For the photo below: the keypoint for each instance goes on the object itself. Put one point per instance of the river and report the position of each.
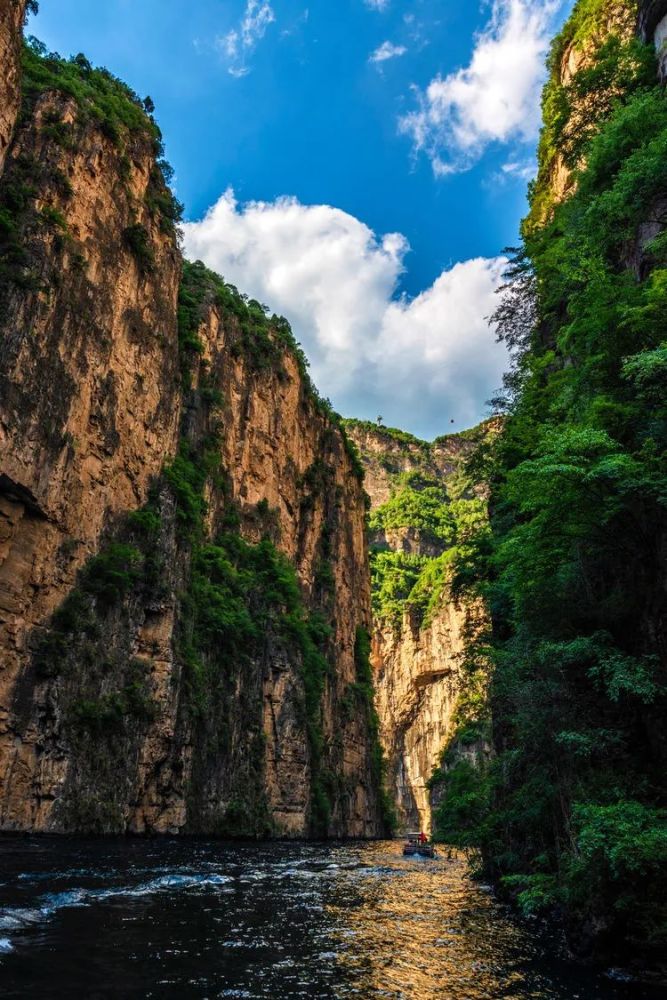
(179, 919)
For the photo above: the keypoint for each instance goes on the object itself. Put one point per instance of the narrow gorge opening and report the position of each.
(424, 505)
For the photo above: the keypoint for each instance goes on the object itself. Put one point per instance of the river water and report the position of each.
(179, 919)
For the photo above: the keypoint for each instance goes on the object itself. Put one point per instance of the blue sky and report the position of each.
(414, 118)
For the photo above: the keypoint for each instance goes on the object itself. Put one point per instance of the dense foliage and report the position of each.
(419, 503)
(440, 518)
(573, 811)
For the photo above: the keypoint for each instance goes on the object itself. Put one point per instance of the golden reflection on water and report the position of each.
(418, 929)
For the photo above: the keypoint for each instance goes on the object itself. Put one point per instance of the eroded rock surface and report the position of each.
(111, 720)
(11, 19)
(416, 661)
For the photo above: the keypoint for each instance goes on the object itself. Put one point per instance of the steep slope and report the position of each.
(572, 814)
(422, 505)
(11, 20)
(183, 568)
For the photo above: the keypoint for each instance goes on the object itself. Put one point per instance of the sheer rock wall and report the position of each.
(92, 408)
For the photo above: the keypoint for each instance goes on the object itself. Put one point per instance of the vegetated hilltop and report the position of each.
(184, 586)
(571, 814)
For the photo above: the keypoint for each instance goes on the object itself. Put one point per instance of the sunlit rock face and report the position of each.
(89, 405)
(93, 406)
(417, 686)
(416, 663)
(11, 19)
(575, 51)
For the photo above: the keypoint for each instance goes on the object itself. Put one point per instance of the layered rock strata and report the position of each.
(128, 458)
(12, 13)
(417, 660)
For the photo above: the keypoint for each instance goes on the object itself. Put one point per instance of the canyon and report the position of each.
(226, 611)
(125, 371)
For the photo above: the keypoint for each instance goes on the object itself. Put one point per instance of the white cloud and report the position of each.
(377, 4)
(523, 170)
(387, 51)
(495, 98)
(237, 45)
(419, 362)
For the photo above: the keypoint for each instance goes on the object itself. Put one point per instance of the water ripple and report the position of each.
(283, 921)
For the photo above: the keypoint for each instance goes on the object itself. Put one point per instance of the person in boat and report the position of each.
(423, 839)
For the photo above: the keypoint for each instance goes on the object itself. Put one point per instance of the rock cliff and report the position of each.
(574, 102)
(11, 19)
(420, 498)
(572, 111)
(183, 566)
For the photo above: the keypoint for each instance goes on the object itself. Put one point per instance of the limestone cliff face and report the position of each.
(417, 660)
(384, 456)
(417, 688)
(569, 114)
(573, 112)
(284, 457)
(111, 719)
(573, 51)
(11, 19)
(88, 384)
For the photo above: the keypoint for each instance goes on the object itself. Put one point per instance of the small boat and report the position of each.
(417, 845)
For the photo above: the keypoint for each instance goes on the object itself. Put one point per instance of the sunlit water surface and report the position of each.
(202, 919)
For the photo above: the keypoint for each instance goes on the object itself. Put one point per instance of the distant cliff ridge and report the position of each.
(422, 505)
(183, 564)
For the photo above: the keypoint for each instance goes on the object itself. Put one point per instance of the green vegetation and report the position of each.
(138, 242)
(21, 183)
(101, 99)
(571, 813)
(463, 777)
(437, 519)
(420, 503)
(262, 340)
(104, 103)
(109, 714)
(393, 577)
(573, 111)
(445, 518)
(259, 342)
(123, 570)
(239, 597)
